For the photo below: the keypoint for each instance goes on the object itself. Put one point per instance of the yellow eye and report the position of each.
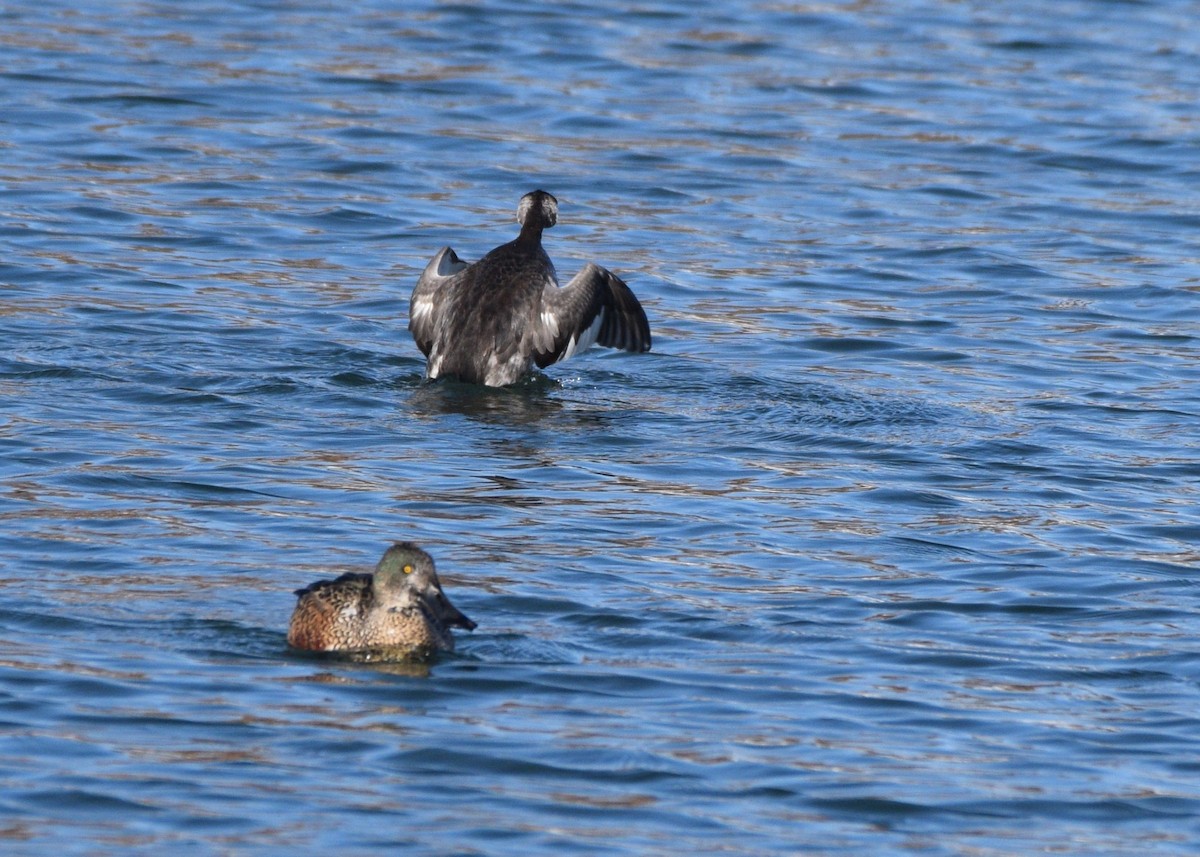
(408, 569)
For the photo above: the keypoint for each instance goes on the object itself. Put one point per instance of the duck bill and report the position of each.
(449, 614)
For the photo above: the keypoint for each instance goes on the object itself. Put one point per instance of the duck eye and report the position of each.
(408, 569)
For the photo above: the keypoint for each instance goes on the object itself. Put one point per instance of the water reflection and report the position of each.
(373, 662)
(530, 402)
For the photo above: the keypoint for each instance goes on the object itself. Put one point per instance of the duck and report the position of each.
(398, 612)
(489, 322)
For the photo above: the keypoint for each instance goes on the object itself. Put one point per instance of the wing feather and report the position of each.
(427, 295)
(595, 308)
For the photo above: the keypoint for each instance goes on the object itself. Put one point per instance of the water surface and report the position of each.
(887, 547)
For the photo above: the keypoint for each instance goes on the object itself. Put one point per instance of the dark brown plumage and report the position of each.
(491, 321)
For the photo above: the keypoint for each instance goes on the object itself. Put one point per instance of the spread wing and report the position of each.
(427, 298)
(596, 307)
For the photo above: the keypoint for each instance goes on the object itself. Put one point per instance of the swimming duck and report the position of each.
(489, 322)
(399, 612)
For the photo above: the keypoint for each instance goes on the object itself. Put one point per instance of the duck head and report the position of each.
(537, 209)
(405, 577)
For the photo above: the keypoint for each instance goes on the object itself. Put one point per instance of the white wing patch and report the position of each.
(421, 309)
(584, 339)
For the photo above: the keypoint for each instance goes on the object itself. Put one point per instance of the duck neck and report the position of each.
(531, 233)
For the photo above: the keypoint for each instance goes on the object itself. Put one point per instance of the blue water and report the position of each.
(889, 546)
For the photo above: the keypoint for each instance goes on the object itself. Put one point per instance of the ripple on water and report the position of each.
(889, 542)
